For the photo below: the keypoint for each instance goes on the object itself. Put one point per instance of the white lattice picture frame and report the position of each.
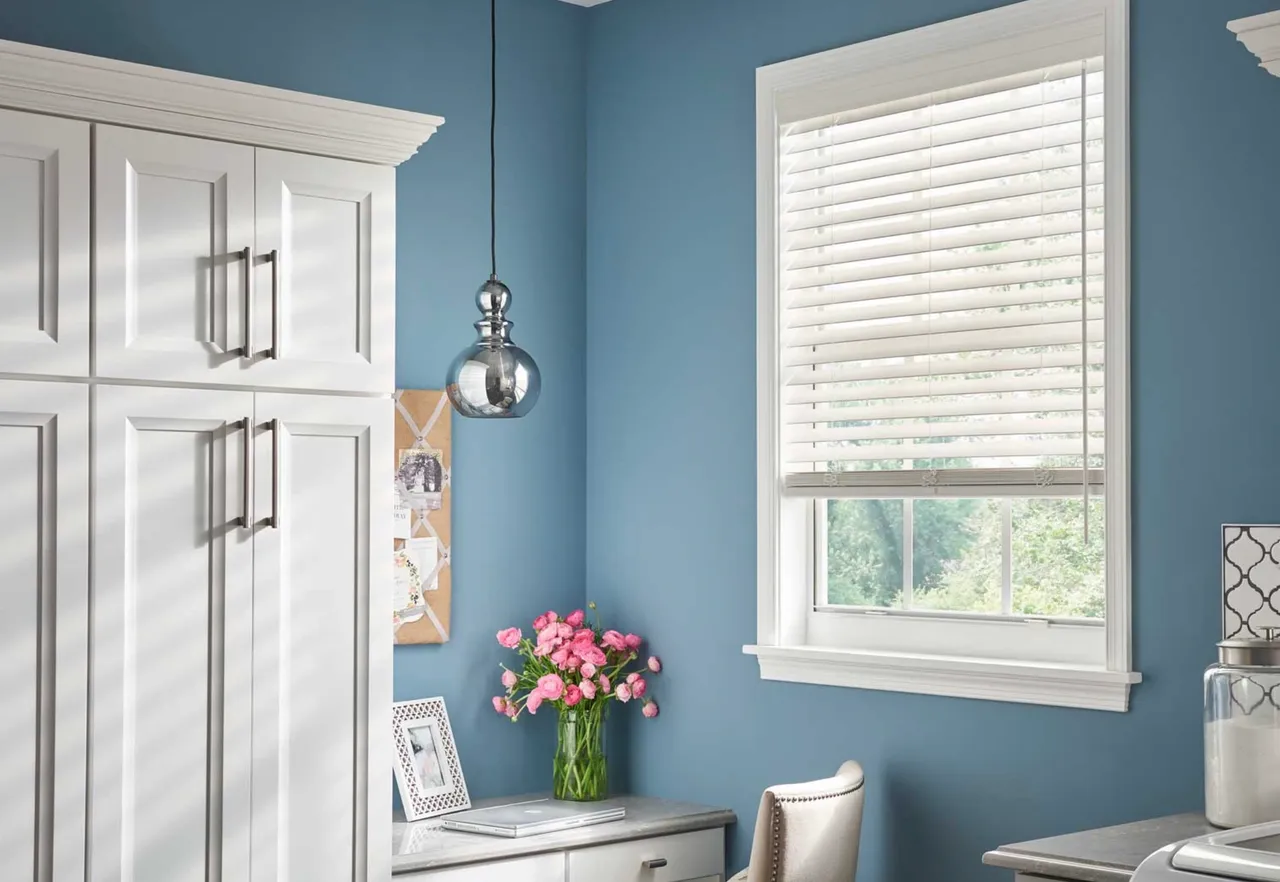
(1250, 579)
(428, 773)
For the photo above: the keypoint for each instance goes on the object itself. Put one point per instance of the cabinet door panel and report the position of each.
(322, 690)
(683, 856)
(44, 245)
(332, 225)
(172, 637)
(173, 217)
(44, 446)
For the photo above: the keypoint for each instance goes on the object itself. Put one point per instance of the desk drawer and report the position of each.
(679, 858)
(543, 868)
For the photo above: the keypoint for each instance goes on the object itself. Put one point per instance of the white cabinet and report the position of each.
(542, 868)
(330, 322)
(241, 666)
(44, 245)
(174, 234)
(322, 648)
(225, 264)
(44, 516)
(683, 857)
(172, 636)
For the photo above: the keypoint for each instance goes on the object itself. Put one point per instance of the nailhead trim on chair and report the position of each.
(777, 820)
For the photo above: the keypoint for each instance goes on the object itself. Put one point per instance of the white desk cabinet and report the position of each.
(657, 841)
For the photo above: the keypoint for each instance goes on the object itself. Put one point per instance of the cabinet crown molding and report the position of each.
(1261, 36)
(53, 81)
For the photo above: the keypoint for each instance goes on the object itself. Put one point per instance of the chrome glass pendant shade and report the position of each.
(493, 377)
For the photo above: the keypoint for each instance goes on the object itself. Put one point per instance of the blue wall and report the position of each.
(671, 429)
(519, 485)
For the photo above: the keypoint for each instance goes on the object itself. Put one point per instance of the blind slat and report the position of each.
(897, 369)
(1037, 426)
(800, 414)
(1040, 381)
(1001, 449)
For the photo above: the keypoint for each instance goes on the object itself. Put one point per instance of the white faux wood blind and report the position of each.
(942, 291)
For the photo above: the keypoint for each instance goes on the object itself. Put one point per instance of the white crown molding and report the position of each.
(1261, 36)
(52, 81)
(586, 2)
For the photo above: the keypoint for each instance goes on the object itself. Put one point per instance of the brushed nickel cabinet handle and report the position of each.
(654, 864)
(246, 254)
(274, 351)
(246, 513)
(274, 520)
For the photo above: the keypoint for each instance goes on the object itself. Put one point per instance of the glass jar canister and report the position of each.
(1242, 733)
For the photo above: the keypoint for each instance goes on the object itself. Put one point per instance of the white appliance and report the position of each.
(197, 296)
(1245, 853)
(532, 817)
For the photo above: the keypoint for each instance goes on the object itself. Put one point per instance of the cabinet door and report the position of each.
(173, 219)
(44, 575)
(331, 322)
(44, 245)
(171, 637)
(683, 857)
(322, 640)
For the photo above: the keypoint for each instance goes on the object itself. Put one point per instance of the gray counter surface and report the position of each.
(1108, 854)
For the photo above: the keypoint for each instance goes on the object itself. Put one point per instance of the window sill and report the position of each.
(1092, 688)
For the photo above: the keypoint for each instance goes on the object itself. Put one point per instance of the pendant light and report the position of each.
(493, 377)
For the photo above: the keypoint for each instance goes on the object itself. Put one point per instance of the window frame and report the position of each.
(1034, 660)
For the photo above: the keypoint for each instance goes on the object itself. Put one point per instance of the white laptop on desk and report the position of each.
(533, 817)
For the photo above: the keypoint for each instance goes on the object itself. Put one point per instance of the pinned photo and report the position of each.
(420, 478)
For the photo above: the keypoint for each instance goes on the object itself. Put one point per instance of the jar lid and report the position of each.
(1250, 652)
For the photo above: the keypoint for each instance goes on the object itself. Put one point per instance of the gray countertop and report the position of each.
(1109, 854)
(423, 845)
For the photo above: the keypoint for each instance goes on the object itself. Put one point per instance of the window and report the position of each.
(943, 376)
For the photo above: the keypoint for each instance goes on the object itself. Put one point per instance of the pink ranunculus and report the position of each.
(510, 637)
(650, 709)
(633, 641)
(576, 618)
(549, 633)
(655, 664)
(563, 630)
(511, 709)
(540, 622)
(533, 702)
(559, 657)
(572, 695)
(573, 662)
(614, 640)
(593, 654)
(623, 693)
(639, 688)
(509, 679)
(588, 689)
(604, 684)
(588, 670)
(550, 686)
(632, 677)
(551, 616)
(500, 704)
(544, 649)
(584, 635)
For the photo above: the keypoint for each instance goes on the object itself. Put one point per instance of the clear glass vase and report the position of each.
(581, 770)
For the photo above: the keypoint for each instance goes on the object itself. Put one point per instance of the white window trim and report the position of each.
(786, 523)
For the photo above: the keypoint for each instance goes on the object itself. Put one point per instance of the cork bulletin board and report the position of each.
(423, 585)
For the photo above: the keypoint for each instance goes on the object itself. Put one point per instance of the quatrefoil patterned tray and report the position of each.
(1250, 579)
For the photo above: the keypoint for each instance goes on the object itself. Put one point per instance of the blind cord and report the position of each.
(1084, 291)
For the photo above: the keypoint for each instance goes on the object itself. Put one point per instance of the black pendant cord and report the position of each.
(493, 121)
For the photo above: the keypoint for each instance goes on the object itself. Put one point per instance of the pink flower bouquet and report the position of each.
(578, 669)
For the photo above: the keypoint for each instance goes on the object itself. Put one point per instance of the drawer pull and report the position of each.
(655, 864)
